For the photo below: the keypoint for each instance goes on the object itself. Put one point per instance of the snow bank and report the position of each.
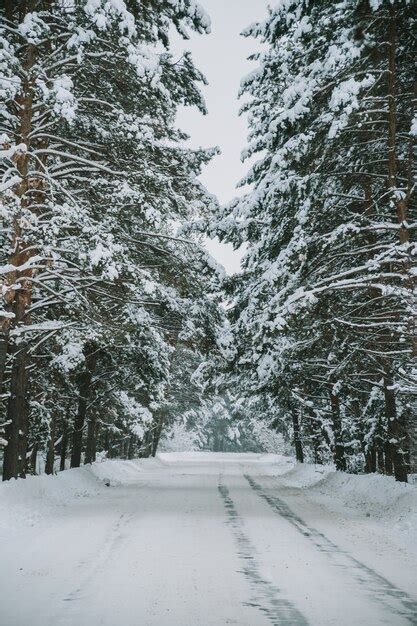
(24, 502)
(115, 472)
(381, 499)
(305, 475)
(377, 495)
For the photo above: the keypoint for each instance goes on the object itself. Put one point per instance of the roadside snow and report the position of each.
(378, 499)
(25, 502)
(205, 539)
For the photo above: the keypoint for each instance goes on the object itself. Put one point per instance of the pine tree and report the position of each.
(97, 285)
(322, 309)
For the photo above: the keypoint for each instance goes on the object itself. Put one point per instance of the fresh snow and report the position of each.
(207, 539)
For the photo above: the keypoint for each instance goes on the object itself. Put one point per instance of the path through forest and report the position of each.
(202, 540)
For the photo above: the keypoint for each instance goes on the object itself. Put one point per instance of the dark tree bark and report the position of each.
(90, 353)
(107, 443)
(139, 444)
(131, 447)
(64, 448)
(299, 454)
(397, 445)
(158, 432)
(146, 448)
(50, 454)
(339, 451)
(14, 463)
(91, 444)
(396, 435)
(31, 466)
(401, 202)
(388, 465)
(18, 299)
(380, 458)
(8, 5)
(4, 340)
(317, 453)
(370, 461)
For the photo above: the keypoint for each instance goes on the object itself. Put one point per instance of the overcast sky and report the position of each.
(222, 57)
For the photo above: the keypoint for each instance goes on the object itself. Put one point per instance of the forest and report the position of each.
(208, 386)
(118, 327)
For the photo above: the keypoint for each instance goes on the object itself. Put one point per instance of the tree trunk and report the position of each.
(50, 454)
(17, 417)
(31, 465)
(397, 440)
(317, 454)
(17, 284)
(339, 451)
(3, 355)
(398, 200)
(90, 449)
(388, 465)
(139, 444)
(8, 6)
(107, 443)
(157, 433)
(130, 448)
(64, 448)
(380, 458)
(146, 446)
(397, 436)
(370, 461)
(299, 454)
(90, 353)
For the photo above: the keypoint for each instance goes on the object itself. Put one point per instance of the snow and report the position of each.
(65, 103)
(381, 499)
(198, 538)
(70, 357)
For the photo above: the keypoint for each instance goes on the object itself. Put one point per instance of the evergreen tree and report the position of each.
(95, 183)
(322, 311)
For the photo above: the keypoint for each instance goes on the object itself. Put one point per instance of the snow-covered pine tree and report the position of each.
(95, 182)
(322, 309)
(36, 97)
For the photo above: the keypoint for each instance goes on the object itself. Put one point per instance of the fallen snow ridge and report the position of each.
(207, 539)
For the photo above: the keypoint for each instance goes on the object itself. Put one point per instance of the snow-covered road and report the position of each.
(197, 539)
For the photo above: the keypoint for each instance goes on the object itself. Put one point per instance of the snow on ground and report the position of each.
(207, 539)
(370, 498)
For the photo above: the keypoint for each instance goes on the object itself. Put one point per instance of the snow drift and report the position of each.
(381, 498)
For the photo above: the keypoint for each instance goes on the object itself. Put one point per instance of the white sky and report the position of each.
(222, 57)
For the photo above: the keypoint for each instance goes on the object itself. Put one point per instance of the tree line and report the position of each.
(101, 295)
(323, 313)
(110, 321)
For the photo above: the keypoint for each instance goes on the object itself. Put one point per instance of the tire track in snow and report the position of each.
(266, 596)
(378, 587)
(71, 611)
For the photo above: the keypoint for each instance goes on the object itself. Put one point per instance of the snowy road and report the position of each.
(202, 540)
